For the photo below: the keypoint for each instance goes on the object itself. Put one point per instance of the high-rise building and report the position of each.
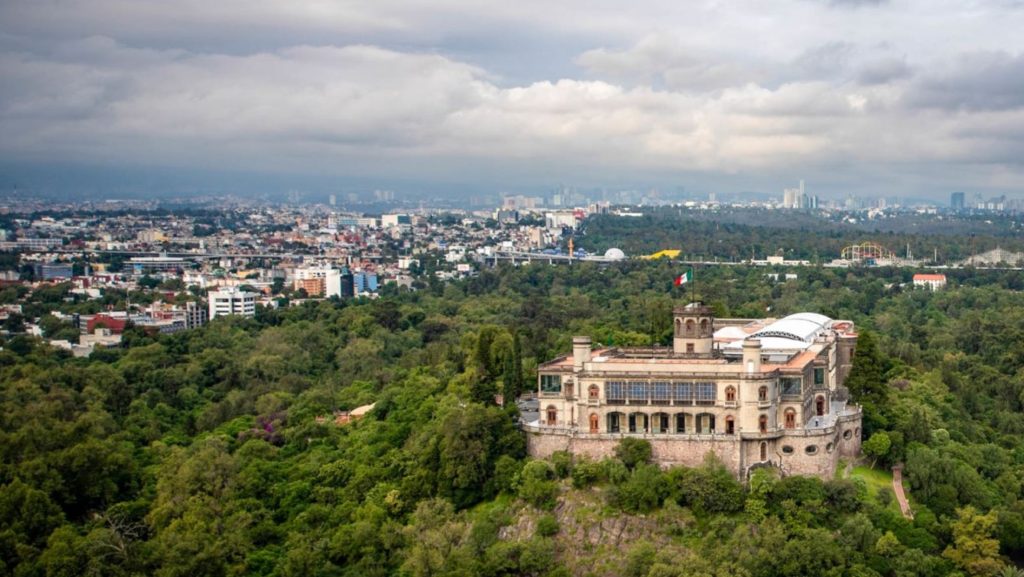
(195, 315)
(364, 282)
(956, 201)
(232, 301)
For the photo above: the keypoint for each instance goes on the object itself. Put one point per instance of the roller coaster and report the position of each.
(867, 252)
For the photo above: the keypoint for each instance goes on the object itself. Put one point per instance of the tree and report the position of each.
(866, 381)
(877, 447)
(973, 549)
(633, 452)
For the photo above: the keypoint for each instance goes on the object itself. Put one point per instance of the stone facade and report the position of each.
(754, 393)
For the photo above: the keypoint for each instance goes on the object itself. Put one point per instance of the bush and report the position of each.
(709, 488)
(587, 473)
(884, 496)
(562, 462)
(633, 452)
(642, 492)
(547, 526)
(536, 486)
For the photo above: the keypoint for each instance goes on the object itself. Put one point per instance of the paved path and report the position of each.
(897, 487)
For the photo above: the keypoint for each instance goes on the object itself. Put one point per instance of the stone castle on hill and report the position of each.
(756, 393)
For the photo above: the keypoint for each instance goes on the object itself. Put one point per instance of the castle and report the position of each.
(756, 393)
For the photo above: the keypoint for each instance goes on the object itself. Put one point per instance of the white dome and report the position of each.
(614, 254)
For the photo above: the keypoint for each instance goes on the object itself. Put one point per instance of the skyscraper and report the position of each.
(956, 201)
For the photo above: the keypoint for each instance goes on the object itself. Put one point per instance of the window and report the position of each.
(703, 326)
(762, 424)
(552, 414)
(790, 385)
(764, 451)
(829, 447)
(705, 393)
(811, 449)
(819, 376)
(550, 383)
(847, 435)
(689, 347)
(730, 426)
(705, 424)
(690, 327)
(683, 393)
(594, 392)
(614, 422)
(661, 392)
(593, 423)
(762, 393)
(819, 406)
(659, 423)
(637, 423)
(730, 394)
(615, 391)
(787, 450)
(790, 419)
(680, 423)
(636, 392)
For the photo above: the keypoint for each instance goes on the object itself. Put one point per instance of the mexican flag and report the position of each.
(684, 278)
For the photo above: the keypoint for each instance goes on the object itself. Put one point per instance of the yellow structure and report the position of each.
(667, 253)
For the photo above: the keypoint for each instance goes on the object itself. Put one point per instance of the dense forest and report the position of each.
(736, 235)
(215, 452)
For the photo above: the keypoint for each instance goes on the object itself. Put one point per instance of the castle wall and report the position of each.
(786, 451)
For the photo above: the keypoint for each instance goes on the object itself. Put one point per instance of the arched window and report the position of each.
(790, 419)
(762, 423)
(637, 423)
(593, 423)
(680, 423)
(660, 423)
(679, 327)
(705, 424)
(594, 392)
(764, 451)
(819, 405)
(615, 422)
(730, 394)
(762, 393)
(552, 415)
(703, 326)
(730, 426)
(690, 327)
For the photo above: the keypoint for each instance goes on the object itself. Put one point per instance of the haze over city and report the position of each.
(906, 98)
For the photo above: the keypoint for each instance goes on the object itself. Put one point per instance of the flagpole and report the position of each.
(693, 286)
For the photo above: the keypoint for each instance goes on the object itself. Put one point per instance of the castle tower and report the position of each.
(694, 329)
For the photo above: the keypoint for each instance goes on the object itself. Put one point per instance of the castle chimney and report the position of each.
(580, 352)
(752, 355)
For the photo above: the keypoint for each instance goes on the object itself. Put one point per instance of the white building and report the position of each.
(930, 281)
(232, 301)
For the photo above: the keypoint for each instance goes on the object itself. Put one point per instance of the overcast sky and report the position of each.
(900, 97)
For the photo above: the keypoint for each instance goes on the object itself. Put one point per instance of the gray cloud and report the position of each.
(977, 81)
(530, 91)
(884, 71)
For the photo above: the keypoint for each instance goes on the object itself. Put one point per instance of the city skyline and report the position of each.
(870, 98)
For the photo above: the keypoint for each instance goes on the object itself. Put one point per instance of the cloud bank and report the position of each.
(906, 98)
